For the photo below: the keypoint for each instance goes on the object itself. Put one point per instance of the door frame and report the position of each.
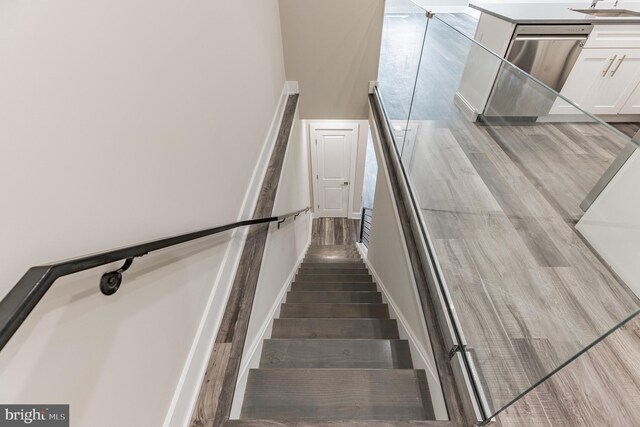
(334, 126)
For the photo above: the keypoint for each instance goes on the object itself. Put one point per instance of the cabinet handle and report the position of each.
(604, 72)
(618, 65)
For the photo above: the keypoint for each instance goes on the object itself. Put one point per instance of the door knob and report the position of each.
(345, 183)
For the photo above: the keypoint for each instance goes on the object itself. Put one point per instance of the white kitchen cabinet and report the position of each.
(616, 35)
(601, 81)
(610, 92)
(632, 105)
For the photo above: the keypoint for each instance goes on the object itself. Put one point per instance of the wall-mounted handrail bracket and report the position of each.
(280, 222)
(110, 282)
(452, 352)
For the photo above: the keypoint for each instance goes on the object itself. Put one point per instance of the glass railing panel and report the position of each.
(402, 37)
(500, 166)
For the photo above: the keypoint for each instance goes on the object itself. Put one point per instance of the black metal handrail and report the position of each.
(25, 295)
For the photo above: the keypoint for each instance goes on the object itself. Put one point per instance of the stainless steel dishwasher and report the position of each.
(548, 53)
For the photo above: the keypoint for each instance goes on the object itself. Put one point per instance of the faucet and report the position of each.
(593, 4)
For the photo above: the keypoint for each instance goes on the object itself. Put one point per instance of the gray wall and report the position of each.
(332, 48)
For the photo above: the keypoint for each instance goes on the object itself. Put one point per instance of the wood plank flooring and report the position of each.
(334, 231)
(629, 129)
(501, 203)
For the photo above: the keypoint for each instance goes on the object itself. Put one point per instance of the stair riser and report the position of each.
(333, 265)
(341, 311)
(308, 270)
(335, 297)
(332, 278)
(319, 260)
(336, 287)
(319, 353)
(335, 328)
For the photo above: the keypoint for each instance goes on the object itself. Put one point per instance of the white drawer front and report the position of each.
(614, 36)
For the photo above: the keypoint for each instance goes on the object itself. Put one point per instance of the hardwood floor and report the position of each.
(501, 203)
(523, 281)
(629, 129)
(334, 231)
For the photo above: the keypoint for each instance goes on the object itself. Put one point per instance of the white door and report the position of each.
(334, 151)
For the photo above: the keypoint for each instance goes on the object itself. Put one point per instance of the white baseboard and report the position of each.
(188, 387)
(419, 354)
(465, 107)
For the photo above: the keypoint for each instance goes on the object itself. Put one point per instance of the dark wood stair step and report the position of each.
(331, 247)
(318, 259)
(332, 265)
(349, 278)
(380, 394)
(332, 270)
(335, 328)
(342, 311)
(333, 251)
(322, 286)
(334, 297)
(336, 423)
(336, 353)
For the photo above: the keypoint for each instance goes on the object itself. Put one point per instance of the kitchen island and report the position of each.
(592, 59)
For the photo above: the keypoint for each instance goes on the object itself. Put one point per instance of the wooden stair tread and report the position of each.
(381, 394)
(333, 265)
(335, 328)
(353, 278)
(335, 310)
(338, 423)
(336, 286)
(354, 270)
(334, 297)
(336, 353)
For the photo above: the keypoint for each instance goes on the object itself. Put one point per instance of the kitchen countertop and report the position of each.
(555, 13)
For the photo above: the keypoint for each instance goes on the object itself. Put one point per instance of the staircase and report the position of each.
(334, 353)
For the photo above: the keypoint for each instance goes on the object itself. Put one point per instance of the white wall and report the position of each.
(612, 223)
(125, 121)
(284, 251)
(388, 260)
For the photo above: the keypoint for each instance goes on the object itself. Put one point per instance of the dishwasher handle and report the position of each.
(545, 38)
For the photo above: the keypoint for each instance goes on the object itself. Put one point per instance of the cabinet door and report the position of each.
(610, 93)
(587, 74)
(632, 105)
